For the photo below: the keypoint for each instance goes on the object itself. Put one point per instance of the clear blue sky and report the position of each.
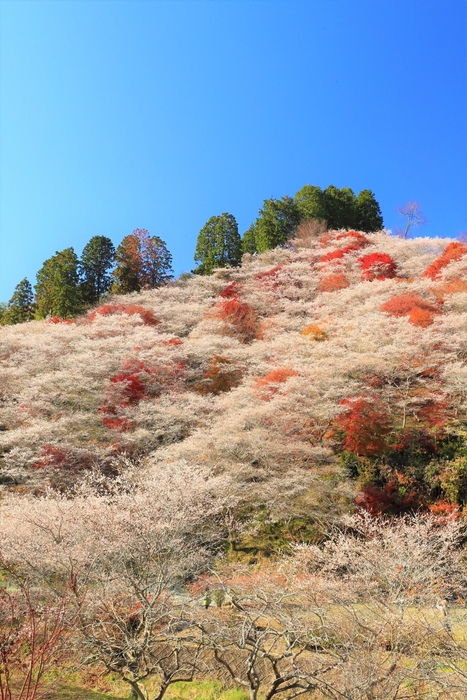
(124, 114)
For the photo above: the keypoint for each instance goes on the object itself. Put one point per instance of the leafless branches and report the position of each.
(414, 215)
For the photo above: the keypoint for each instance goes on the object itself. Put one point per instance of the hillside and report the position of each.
(308, 375)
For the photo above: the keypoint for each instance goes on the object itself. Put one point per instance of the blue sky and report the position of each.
(124, 114)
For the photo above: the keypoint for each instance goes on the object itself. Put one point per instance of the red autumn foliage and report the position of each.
(377, 266)
(52, 456)
(174, 342)
(230, 291)
(332, 283)
(240, 318)
(453, 251)
(146, 315)
(134, 383)
(269, 275)
(366, 425)
(265, 387)
(66, 458)
(436, 413)
(387, 500)
(420, 312)
(357, 241)
(57, 319)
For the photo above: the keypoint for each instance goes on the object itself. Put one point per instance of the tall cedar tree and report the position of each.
(142, 262)
(339, 207)
(368, 213)
(249, 240)
(277, 221)
(95, 265)
(57, 288)
(218, 245)
(21, 305)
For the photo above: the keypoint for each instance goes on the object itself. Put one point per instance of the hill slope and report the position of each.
(304, 374)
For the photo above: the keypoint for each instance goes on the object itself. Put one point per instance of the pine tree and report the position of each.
(96, 262)
(218, 245)
(21, 305)
(277, 222)
(57, 286)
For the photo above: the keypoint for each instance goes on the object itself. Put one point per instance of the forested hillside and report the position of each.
(230, 478)
(308, 374)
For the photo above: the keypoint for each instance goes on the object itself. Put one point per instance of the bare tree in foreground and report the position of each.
(33, 636)
(128, 551)
(414, 215)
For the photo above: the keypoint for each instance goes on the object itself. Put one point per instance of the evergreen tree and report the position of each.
(339, 207)
(57, 287)
(249, 240)
(218, 245)
(96, 262)
(277, 222)
(142, 261)
(368, 216)
(310, 203)
(21, 305)
(3, 308)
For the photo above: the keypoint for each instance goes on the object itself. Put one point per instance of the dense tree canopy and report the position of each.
(95, 265)
(277, 221)
(218, 245)
(57, 286)
(340, 208)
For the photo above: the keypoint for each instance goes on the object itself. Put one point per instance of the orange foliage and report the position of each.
(445, 508)
(453, 287)
(366, 425)
(454, 251)
(315, 333)
(265, 387)
(57, 319)
(377, 266)
(420, 312)
(332, 283)
(240, 318)
(219, 377)
(146, 315)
